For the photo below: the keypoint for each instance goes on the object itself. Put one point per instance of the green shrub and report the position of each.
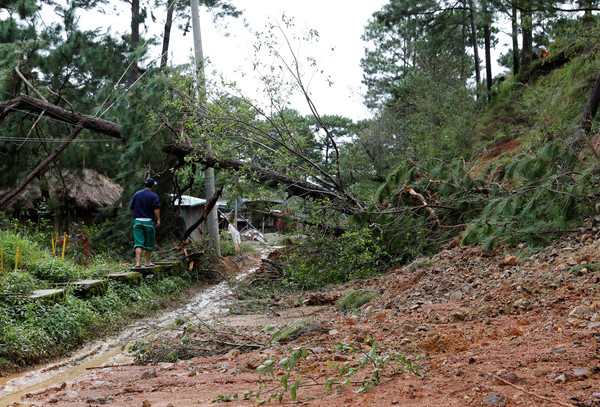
(33, 331)
(19, 282)
(53, 270)
(324, 260)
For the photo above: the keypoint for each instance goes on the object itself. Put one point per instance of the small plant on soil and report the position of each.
(286, 381)
(283, 334)
(370, 368)
(381, 365)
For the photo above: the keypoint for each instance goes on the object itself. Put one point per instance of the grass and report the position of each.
(36, 331)
(355, 299)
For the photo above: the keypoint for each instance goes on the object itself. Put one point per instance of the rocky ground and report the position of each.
(466, 327)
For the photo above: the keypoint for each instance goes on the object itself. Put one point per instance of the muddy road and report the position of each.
(209, 302)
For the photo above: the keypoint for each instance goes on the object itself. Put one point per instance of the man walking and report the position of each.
(146, 215)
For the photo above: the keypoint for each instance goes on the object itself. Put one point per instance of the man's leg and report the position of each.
(148, 254)
(138, 256)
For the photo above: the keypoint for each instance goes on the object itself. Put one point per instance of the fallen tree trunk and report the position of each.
(293, 186)
(209, 206)
(24, 102)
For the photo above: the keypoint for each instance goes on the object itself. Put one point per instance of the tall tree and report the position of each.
(472, 19)
(180, 9)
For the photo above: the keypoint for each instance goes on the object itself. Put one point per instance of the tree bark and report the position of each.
(515, 40)
(134, 71)
(24, 102)
(12, 193)
(527, 30)
(488, 59)
(591, 108)
(210, 204)
(164, 57)
(475, 48)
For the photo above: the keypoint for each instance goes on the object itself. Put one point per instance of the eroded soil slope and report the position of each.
(496, 328)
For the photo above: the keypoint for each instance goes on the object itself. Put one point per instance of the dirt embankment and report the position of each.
(496, 329)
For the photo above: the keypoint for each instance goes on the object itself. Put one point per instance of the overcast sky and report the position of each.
(340, 24)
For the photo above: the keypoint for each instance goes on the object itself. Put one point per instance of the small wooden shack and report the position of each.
(71, 196)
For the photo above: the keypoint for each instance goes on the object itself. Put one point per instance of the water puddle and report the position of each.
(210, 302)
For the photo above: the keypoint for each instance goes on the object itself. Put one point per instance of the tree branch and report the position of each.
(24, 102)
(12, 193)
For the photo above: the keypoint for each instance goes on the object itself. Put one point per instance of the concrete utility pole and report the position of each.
(212, 221)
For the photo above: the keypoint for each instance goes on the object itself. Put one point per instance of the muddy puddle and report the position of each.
(212, 301)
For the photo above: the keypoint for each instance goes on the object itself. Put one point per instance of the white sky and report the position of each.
(340, 24)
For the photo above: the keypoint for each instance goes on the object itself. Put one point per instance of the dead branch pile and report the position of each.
(201, 340)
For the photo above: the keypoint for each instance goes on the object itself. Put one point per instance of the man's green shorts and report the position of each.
(143, 234)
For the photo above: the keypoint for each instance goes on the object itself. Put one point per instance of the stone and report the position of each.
(510, 377)
(339, 358)
(563, 378)
(520, 304)
(130, 277)
(96, 399)
(456, 295)
(510, 260)
(146, 403)
(149, 374)
(255, 361)
(493, 399)
(89, 288)
(233, 354)
(457, 315)
(558, 351)
(583, 373)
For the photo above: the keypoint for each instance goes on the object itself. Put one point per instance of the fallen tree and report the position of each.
(25, 102)
(293, 186)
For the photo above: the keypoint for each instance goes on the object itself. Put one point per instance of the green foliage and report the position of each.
(33, 331)
(228, 247)
(18, 282)
(53, 270)
(323, 260)
(286, 382)
(376, 363)
(380, 363)
(355, 299)
(283, 334)
(541, 197)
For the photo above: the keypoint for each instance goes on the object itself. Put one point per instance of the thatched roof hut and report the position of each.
(85, 190)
